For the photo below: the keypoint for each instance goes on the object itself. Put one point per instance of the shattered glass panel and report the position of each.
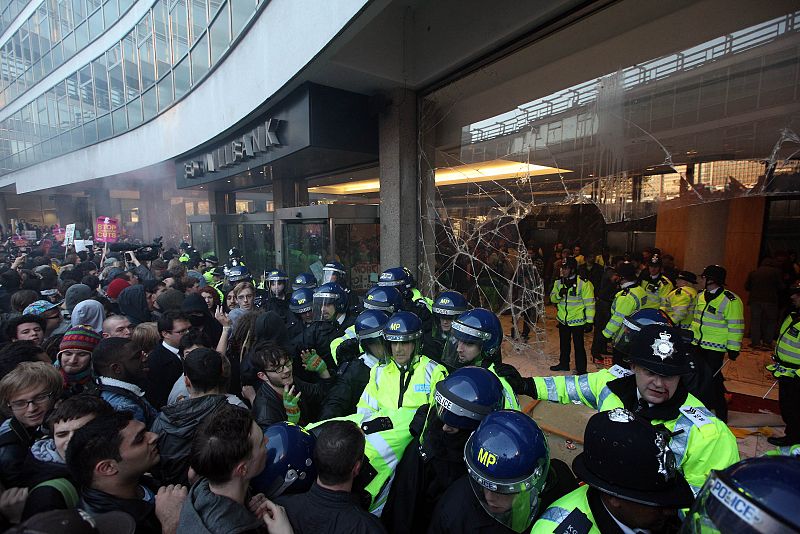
(594, 164)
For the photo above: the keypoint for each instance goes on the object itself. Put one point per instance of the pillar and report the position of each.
(4, 219)
(154, 211)
(220, 202)
(289, 193)
(400, 190)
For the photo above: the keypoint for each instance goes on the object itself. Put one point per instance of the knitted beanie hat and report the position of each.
(80, 337)
(116, 287)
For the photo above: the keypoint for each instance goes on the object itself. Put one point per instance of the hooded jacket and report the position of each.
(133, 304)
(205, 512)
(89, 312)
(194, 304)
(176, 426)
(76, 294)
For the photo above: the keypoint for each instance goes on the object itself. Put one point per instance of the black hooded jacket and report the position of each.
(176, 426)
(194, 304)
(133, 305)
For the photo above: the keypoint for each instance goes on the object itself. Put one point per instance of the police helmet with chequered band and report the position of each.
(333, 271)
(662, 349)
(304, 280)
(508, 454)
(450, 304)
(234, 253)
(276, 276)
(756, 495)
(395, 277)
(301, 300)
(715, 273)
(634, 322)
(290, 464)
(386, 299)
(332, 293)
(237, 274)
(467, 396)
(369, 324)
(402, 326)
(479, 326)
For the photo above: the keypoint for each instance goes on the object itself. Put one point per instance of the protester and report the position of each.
(119, 366)
(26, 328)
(74, 359)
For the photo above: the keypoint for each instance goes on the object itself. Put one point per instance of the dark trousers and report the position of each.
(572, 335)
(602, 314)
(763, 322)
(713, 360)
(789, 400)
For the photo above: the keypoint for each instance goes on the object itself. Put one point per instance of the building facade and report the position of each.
(451, 137)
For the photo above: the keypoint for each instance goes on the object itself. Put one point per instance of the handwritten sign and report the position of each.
(69, 235)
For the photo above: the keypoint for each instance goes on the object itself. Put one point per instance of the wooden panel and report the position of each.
(743, 243)
(671, 232)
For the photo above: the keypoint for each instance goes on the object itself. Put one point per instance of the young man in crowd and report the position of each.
(227, 452)
(108, 458)
(328, 507)
(49, 454)
(206, 375)
(26, 328)
(117, 326)
(120, 370)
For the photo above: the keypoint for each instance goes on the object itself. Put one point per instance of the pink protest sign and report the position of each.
(106, 230)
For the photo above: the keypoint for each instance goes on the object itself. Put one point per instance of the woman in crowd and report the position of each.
(74, 359)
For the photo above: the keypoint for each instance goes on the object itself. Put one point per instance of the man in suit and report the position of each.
(164, 362)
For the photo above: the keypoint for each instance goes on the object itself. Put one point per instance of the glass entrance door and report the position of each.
(305, 246)
(358, 247)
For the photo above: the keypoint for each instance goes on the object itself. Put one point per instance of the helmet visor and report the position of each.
(515, 511)
(324, 306)
(461, 350)
(719, 507)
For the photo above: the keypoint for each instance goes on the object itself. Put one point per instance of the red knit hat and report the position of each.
(116, 287)
(81, 337)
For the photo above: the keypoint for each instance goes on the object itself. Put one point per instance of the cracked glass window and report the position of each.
(607, 144)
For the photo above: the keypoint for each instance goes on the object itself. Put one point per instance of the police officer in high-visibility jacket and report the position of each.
(718, 327)
(475, 339)
(628, 300)
(574, 300)
(679, 304)
(435, 458)
(409, 378)
(632, 485)
(511, 479)
(787, 370)
(659, 355)
(655, 284)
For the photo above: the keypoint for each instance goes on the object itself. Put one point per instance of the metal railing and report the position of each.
(644, 73)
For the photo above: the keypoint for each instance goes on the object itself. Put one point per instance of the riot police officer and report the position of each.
(435, 458)
(413, 300)
(409, 378)
(275, 297)
(290, 461)
(446, 307)
(386, 299)
(300, 304)
(475, 339)
(630, 298)
(304, 281)
(354, 374)
(511, 478)
(753, 496)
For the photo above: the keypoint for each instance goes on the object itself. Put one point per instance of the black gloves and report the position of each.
(347, 350)
(563, 292)
(588, 327)
(733, 354)
(520, 385)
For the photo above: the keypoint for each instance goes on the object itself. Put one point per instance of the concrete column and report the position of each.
(400, 189)
(154, 211)
(289, 193)
(220, 202)
(4, 212)
(65, 210)
(100, 203)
